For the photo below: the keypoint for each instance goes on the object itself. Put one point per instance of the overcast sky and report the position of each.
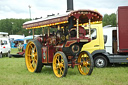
(41, 8)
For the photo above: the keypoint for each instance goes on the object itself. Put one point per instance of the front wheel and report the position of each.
(60, 64)
(33, 56)
(9, 55)
(85, 62)
(100, 61)
(0, 55)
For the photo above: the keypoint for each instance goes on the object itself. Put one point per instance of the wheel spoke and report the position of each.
(35, 56)
(63, 66)
(31, 46)
(62, 62)
(35, 60)
(34, 64)
(61, 71)
(30, 66)
(30, 60)
(83, 58)
(82, 68)
(58, 59)
(87, 58)
(34, 49)
(29, 55)
(87, 69)
(57, 67)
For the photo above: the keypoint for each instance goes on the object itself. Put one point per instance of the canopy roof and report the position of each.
(60, 19)
(30, 37)
(19, 40)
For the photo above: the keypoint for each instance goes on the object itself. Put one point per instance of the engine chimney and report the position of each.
(69, 5)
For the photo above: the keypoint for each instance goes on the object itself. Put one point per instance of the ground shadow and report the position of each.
(47, 70)
(118, 65)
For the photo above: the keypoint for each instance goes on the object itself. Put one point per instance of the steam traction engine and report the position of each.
(62, 47)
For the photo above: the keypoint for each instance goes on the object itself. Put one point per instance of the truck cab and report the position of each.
(115, 39)
(96, 46)
(97, 40)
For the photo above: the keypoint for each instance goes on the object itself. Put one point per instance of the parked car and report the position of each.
(5, 47)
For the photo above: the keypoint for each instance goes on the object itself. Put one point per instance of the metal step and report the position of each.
(118, 58)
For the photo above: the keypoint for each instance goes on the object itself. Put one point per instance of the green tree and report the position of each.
(5, 25)
(109, 19)
(13, 26)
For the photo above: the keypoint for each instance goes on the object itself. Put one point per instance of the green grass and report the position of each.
(14, 72)
(14, 50)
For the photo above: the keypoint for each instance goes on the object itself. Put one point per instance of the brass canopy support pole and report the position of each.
(58, 27)
(77, 23)
(33, 33)
(48, 31)
(89, 28)
(43, 31)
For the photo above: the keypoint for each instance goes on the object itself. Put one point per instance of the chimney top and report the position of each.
(69, 5)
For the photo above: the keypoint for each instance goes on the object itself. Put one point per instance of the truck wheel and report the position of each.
(60, 64)
(0, 55)
(33, 56)
(9, 55)
(85, 62)
(100, 61)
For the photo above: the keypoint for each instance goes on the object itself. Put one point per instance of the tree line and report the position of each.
(109, 19)
(14, 26)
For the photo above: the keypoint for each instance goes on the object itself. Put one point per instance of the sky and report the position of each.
(19, 9)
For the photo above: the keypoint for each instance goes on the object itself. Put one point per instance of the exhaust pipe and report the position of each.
(69, 5)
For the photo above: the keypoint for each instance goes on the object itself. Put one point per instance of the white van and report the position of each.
(5, 47)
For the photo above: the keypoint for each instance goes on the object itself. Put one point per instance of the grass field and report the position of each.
(13, 72)
(14, 50)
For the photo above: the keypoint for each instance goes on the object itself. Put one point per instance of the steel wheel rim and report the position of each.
(100, 62)
(84, 63)
(58, 65)
(31, 57)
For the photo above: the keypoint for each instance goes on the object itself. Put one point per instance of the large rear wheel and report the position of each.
(33, 56)
(85, 62)
(60, 64)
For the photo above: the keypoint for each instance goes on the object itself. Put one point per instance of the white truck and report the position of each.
(115, 41)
